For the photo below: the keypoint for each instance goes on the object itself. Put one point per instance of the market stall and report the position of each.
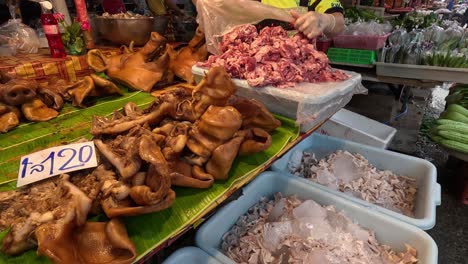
(127, 138)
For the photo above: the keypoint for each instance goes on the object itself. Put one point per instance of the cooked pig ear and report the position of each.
(215, 89)
(95, 242)
(81, 91)
(126, 210)
(127, 162)
(97, 61)
(222, 158)
(104, 86)
(126, 50)
(254, 113)
(38, 111)
(9, 117)
(198, 39)
(51, 98)
(154, 47)
(256, 140)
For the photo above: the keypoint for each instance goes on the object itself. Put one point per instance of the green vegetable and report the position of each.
(455, 136)
(449, 122)
(455, 117)
(458, 128)
(451, 144)
(458, 109)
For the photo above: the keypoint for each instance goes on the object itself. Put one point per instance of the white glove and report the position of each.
(313, 24)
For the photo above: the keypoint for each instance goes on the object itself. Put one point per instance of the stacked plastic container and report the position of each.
(391, 228)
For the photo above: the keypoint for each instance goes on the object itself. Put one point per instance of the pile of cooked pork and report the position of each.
(353, 174)
(155, 64)
(189, 136)
(291, 230)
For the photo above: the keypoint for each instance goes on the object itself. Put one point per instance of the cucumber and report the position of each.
(455, 136)
(459, 128)
(458, 109)
(443, 121)
(455, 117)
(437, 139)
(454, 145)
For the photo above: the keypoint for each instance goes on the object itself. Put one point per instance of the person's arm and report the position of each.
(327, 18)
(314, 24)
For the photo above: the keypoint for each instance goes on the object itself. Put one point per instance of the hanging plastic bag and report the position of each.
(16, 37)
(218, 17)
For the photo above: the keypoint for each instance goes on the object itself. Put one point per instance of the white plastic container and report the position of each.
(357, 128)
(388, 230)
(190, 255)
(307, 103)
(425, 173)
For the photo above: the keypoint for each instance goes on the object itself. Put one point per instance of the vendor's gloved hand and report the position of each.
(313, 24)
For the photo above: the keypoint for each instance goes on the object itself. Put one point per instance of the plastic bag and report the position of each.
(218, 17)
(16, 37)
(371, 28)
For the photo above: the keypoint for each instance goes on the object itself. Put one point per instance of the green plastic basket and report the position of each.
(351, 56)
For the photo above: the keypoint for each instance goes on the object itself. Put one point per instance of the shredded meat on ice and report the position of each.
(288, 230)
(272, 58)
(354, 175)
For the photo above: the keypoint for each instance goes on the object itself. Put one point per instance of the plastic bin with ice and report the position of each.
(388, 230)
(357, 128)
(190, 255)
(425, 173)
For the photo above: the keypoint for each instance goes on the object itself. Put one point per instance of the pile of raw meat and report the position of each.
(272, 58)
(289, 230)
(354, 175)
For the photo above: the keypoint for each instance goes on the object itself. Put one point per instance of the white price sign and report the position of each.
(55, 161)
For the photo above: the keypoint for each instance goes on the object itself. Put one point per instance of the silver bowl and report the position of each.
(124, 30)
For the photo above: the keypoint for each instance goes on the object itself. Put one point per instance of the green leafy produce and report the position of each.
(446, 60)
(415, 20)
(354, 14)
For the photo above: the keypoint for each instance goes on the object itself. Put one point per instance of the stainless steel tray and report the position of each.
(422, 72)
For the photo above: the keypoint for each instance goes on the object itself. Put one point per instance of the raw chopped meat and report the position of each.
(354, 175)
(270, 57)
(289, 230)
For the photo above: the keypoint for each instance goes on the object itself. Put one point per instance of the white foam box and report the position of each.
(428, 196)
(388, 230)
(357, 128)
(309, 103)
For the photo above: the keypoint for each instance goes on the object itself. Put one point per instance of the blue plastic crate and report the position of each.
(388, 230)
(425, 173)
(190, 255)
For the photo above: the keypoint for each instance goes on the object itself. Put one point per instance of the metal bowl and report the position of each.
(124, 30)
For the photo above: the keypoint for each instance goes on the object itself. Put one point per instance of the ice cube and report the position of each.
(275, 233)
(277, 210)
(310, 209)
(325, 177)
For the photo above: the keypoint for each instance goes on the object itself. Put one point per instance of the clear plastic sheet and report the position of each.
(217, 17)
(308, 103)
(368, 28)
(16, 37)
